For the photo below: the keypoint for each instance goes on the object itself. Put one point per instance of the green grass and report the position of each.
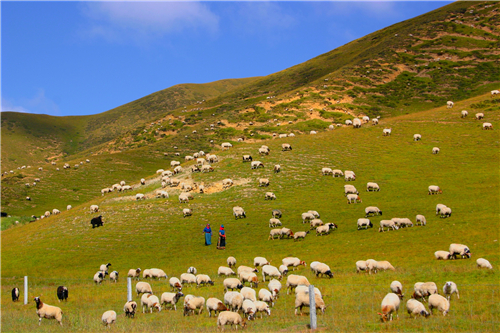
(65, 250)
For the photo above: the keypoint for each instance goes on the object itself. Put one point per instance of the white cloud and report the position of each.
(9, 106)
(118, 21)
(39, 103)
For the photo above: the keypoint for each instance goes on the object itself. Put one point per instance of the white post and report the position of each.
(25, 290)
(129, 289)
(312, 307)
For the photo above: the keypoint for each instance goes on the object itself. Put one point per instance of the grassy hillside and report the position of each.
(65, 250)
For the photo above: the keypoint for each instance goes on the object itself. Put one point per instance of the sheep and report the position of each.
(270, 196)
(403, 222)
(387, 131)
(158, 273)
(113, 276)
(150, 302)
(231, 261)
(356, 123)
(371, 266)
(286, 232)
(349, 177)
(98, 277)
(195, 168)
(464, 114)
(449, 288)
(143, 181)
(171, 298)
(325, 229)
(390, 304)
(366, 119)
(350, 189)
(313, 132)
(494, 93)
(348, 122)
(134, 273)
(47, 214)
(300, 235)
(371, 210)
(337, 173)
(129, 309)
(225, 271)
(286, 147)
(387, 224)
(143, 288)
(162, 194)
(159, 171)
(173, 164)
(384, 265)
(238, 212)
(192, 270)
(55, 211)
(307, 217)
(249, 309)
(266, 296)
(272, 271)
(187, 212)
(322, 269)
(167, 173)
(361, 266)
(434, 189)
(439, 207)
(416, 308)
(479, 116)
(435, 150)
(420, 220)
(47, 311)
(274, 287)
(440, 303)
(247, 158)
(104, 268)
(263, 182)
(231, 284)
(226, 145)
(449, 104)
(203, 279)
(234, 300)
(316, 223)
(178, 169)
(188, 278)
(215, 305)
(292, 281)
(249, 277)
(207, 168)
(305, 289)
(487, 126)
(276, 213)
(15, 294)
(364, 222)
(256, 164)
(126, 188)
(445, 212)
(397, 288)
(94, 208)
(274, 222)
(423, 290)
(274, 232)
(183, 198)
(262, 307)
(108, 317)
(175, 283)
(417, 137)
(375, 121)
(264, 151)
(140, 196)
(327, 171)
(146, 273)
(353, 198)
(248, 293)
(442, 255)
(372, 187)
(294, 262)
(231, 318)
(227, 183)
(483, 263)
(302, 299)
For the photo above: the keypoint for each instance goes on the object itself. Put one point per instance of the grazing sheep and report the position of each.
(175, 283)
(98, 277)
(274, 222)
(47, 311)
(420, 219)
(94, 208)
(171, 298)
(449, 104)
(192, 270)
(417, 137)
(440, 303)
(207, 168)
(435, 150)
(227, 183)
(129, 308)
(104, 268)
(215, 305)
(246, 269)
(134, 273)
(143, 181)
(348, 122)
(274, 287)
(350, 189)
(390, 304)
(188, 278)
(249, 309)
(353, 198)
(397, 288)
(442, 255)
(238, 212)
(364, 222)
(464, 113)
(349, 177)
(276, 213)
(313, 132)
(366, 119)
(292, 281)
(230, 318)
(356, 123)
(361, 266)
(143, 288)
(256, 164)
(248, 293)
(249, 277)
(203, 279)
(337, 173)
(231, 261)
(272, 271)
(264, 151)
(372, 187)
(274, 232)
(263, 182)
(416, 308)
(479, 116)
(108, 317)
(162, 194)
(158, 273)
(226, 145)
(270, 196)
(487, 126)
(262, 307)
(483, 263)
(277, 168)
(327, 171)
(286, 232)
(371, 210)
(316, 223)
(445, 212)
(494, 93)
(113, 276)
(322, 269)
(302, 299)
(187, 212)
(247, 158)
(384, 265)
(283, 270)
(231, 284)
(434, 189)
(266, 296)
(15, 294)
(375, 121)
(371, 266)
(387, 131)
(387, 224)
(225, 271)
(450, 288)
(423, 290)
(140, 196)
(307, 217)
(305, 289)
(300, 235)
(325, 229)
(234, 300)
(294, 262)
(150, 302)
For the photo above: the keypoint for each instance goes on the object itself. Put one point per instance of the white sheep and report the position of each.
(143, 181)
(479, 116)
(375, 121)
(416, 308)
(231, 261)
(449, 104)
(302, 299)
(263, 182)
(483, 263)
(356, 123)
(226, 145)
(193, 304)
(390, 304)
(47, 311)
(487, 126)
(322, 269)
(384, 265)
(266, 296)
(140, 196)
(134, 273)
(171, 298)
(439, 302)
(353, 198)
(175, 283)
(337, 173)
(445, 212)
(98, 277)
(274, 287)
(256, 164)
(143, 288)
(386, 132)
(232, 283)
(364, 222)
(464, 113)
(434, 189)
(325, 229)
(230, 318)
(397, 288)
(348, 122)
(459, 249)
(94, 208)
(248, 293)
(420, 220)
(226, 183)
(150, 302)
(371, 266)
(249, 277)
(292, 281)
(372, 187)
(215, 305)
(108, 317)
(260, 261)
(442, 255)
(361, 266)
(450, 288)
(68, 207)
(187, 212)
(270, 196)
(306, 217)
(233, 300)
(286, 147)
(371, 210)
(113, 276)
(274, 222)
(187, 278)
(326, 171)
(225, 271)
(272, 271)
(239, 212)
(294, 262)
(435, 150)
(129, 308)
(203, 279)
(300, 235)
(389, 224)
(417, 137)
(158, 273)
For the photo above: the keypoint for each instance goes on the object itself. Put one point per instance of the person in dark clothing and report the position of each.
(208, 235)
(222, 238)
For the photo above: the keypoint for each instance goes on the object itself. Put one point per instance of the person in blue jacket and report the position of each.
(208, 234)
(222, 238)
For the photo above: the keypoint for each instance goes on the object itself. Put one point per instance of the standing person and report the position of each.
(222, 238)
(208, 234)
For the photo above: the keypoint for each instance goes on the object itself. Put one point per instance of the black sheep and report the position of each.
(15, 294)
(96, 221)
(62, 293)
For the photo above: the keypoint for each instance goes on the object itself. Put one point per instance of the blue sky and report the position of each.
(77, 58)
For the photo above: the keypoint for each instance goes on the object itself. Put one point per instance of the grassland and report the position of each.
(65, 250)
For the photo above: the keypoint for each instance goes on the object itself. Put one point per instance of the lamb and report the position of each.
(325, 229)
(417, 137)
(386, 131)
(294, 262)
(94, 208)
(272, 271)
(260, 261)
(274, 287)
(371, 210)
(140, 196)
(416, 308)
(188, 278)
(464, 114)
(256, 164)
(175, 283)
(274, 222)
(390, 304)
(150, 302)
(263, 182)
(277, 168)
(187, 212)
(231, 261)
(487, 126)
(387, 224)
(143, 288)
(445, 212)
(364, 222)
(442, 255)
(171, 298)
(384, 265)
(361, 266)
(292, 281)
(276, 213)
(230, 318)
(302, 299)
(134, 273)
(322, 269)
(353, 198)
(234, 300)
(397, 288)
(113, 276)
(227, 183)
(371, 266)
(47, 311)
(300, 235)
(203, 279)
(420, 220)
(225, 271)
(435, 150)
(215, 305)
(248, 293)
(98, 277)
(108, 318)
(270, 196)
(450, 288)
(483, 263)
(439, 302)
(434, 189)
(249, 277)
(231, 284)
(479, 116)
(129, 308)
(238, 212)
(326, 171)
(266, 296)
